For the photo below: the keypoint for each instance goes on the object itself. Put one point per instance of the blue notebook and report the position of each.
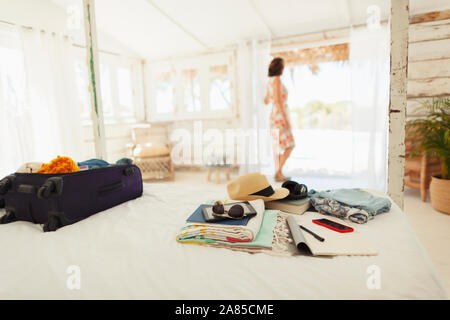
(197, 216)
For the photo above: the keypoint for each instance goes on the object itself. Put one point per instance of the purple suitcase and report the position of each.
(57, 200)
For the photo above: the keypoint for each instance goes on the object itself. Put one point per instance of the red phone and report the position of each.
(333, 225)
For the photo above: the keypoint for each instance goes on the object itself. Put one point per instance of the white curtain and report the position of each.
(254, 152)
(369, 67)
(39, 108)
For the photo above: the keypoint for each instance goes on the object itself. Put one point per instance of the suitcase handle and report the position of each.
(26, 188)
(6, 184)
(110, 188)
(52, 186)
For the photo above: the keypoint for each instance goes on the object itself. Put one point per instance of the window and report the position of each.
(120, 84)
(191, 94)
(319, 99)
(82, 78)
(165, 95)
(12, 80)
(105, 85)
(220, 88)
(319, 105)
(194, 88)
(125, 90)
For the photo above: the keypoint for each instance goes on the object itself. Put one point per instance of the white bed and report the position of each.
(130, 252)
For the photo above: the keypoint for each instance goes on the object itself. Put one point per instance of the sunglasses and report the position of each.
(235, 212)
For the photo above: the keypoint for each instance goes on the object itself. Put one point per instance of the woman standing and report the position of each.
(283, 140)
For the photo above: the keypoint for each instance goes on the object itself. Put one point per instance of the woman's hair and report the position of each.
(276, 67)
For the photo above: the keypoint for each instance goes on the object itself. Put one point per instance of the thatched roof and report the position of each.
(313, 56)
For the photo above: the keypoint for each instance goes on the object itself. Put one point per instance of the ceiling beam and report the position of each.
(179, 25)
(263, 20)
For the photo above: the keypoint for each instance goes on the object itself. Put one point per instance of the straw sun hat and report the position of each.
(254, 186)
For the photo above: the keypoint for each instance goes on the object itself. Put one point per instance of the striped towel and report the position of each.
(212, 232)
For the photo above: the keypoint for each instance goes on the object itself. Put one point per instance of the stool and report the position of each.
(217, 170)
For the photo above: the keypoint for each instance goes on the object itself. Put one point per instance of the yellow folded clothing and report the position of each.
(60, 165)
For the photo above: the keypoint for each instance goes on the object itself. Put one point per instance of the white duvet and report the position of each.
(130, 252)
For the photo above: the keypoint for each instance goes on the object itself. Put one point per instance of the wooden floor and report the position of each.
(433, 229)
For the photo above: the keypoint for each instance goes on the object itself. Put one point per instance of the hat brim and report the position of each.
(280, 193)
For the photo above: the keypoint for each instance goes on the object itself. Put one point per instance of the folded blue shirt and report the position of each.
(98, 163)
(354, 198)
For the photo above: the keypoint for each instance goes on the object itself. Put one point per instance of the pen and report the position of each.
(313, 234)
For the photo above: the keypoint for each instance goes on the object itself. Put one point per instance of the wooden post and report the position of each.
(94, 77)
(397, 99)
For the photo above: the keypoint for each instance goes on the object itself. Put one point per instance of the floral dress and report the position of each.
(280, 127)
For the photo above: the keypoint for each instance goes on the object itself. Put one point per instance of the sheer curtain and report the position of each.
(39, 109)
(254, 152)
(369, 70)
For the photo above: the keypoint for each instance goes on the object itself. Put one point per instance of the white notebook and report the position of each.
(335, 244)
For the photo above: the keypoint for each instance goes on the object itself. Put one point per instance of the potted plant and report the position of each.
(431, 136)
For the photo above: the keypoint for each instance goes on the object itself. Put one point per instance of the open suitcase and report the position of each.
(57, 200)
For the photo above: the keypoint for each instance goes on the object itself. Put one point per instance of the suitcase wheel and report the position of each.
(8, 217)
(53, 223)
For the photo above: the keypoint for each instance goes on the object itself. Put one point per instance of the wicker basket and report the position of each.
(440, 194)
(153, 167)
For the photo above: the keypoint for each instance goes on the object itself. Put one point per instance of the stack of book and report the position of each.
(290, 206)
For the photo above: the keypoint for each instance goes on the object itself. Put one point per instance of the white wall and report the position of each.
(47, 15)
(429, 64)
(43, 14)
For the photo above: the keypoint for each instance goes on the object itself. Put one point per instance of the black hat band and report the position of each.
(266, 192)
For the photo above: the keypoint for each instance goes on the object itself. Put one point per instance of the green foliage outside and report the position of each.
(317, 114)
